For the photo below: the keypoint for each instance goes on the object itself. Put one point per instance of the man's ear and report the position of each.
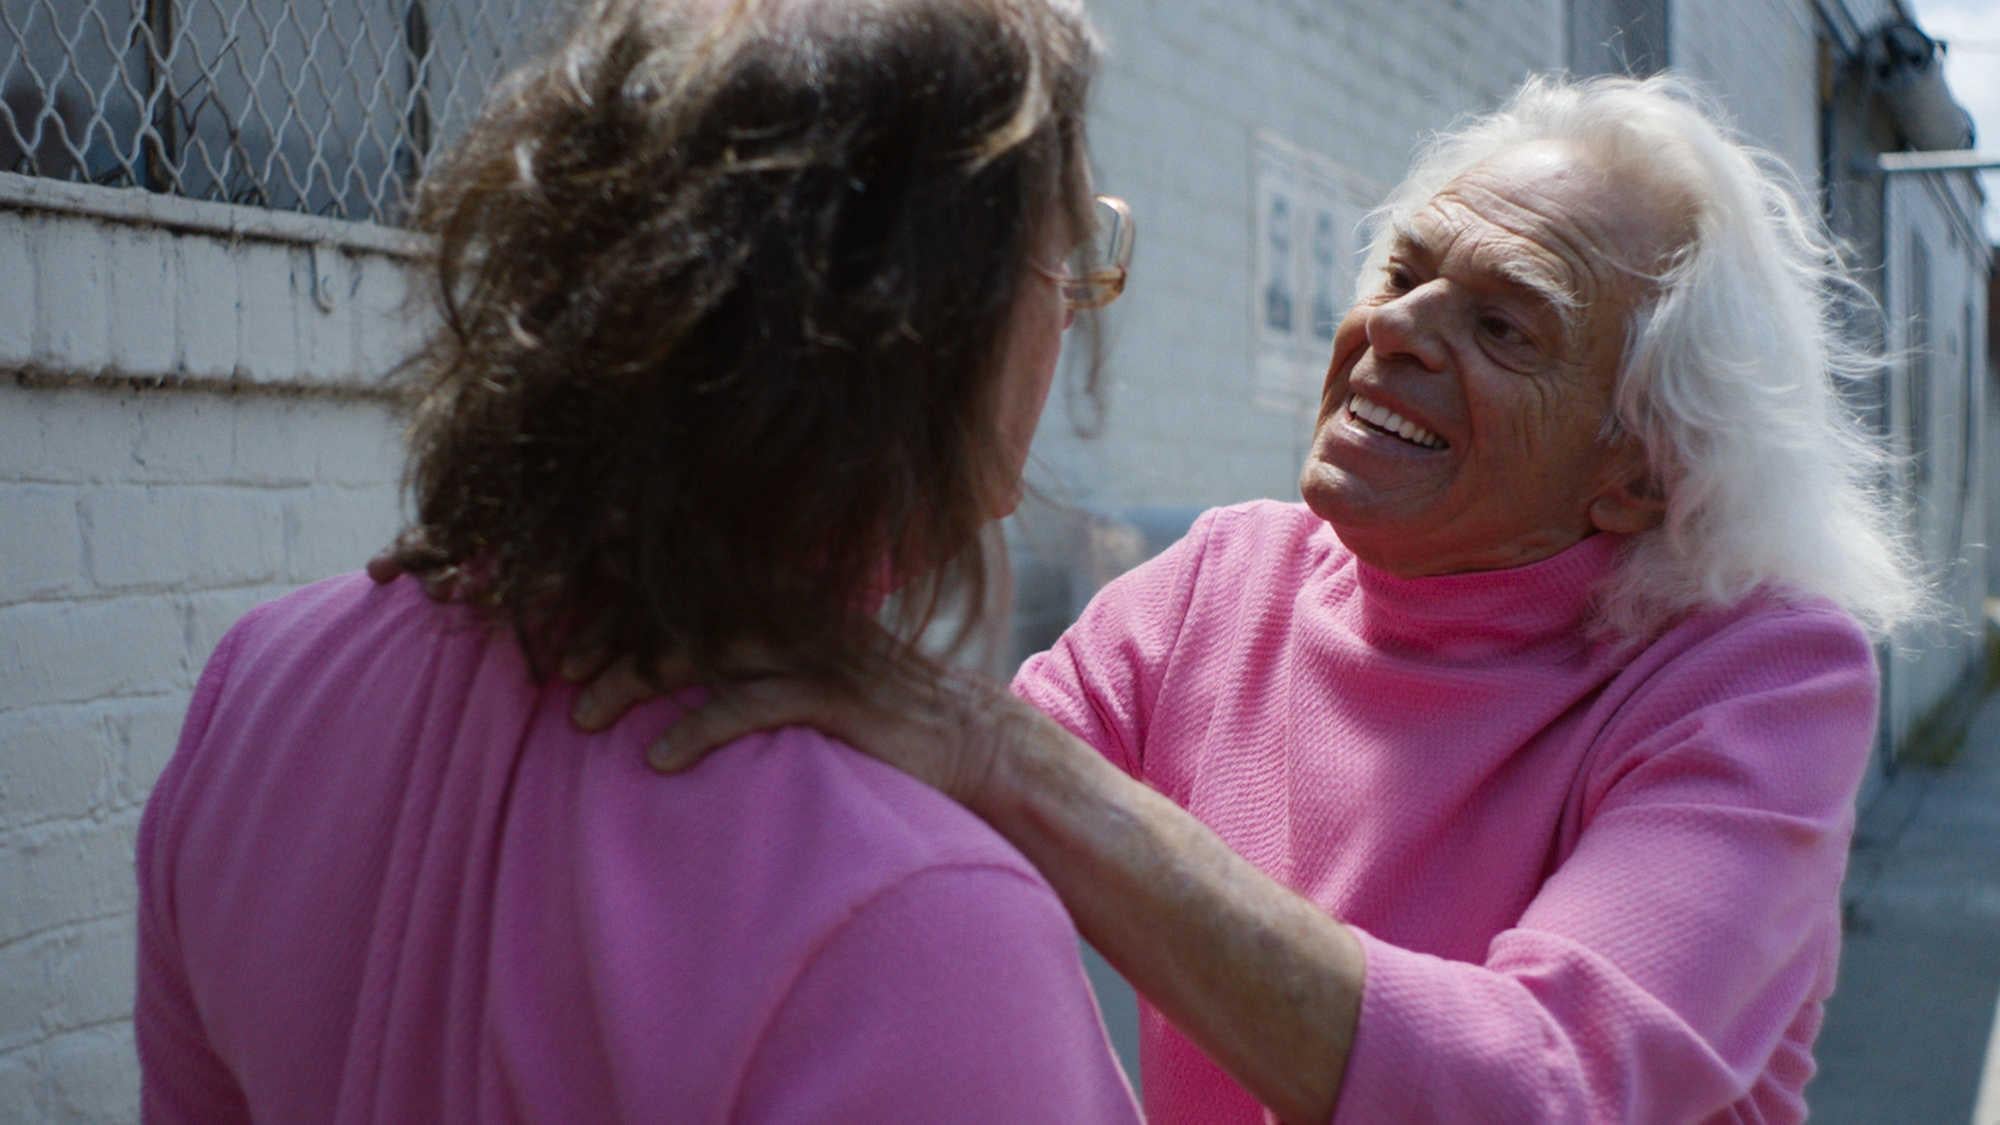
(1632, 500)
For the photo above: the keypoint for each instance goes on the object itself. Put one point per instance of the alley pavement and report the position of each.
(1910, 1030)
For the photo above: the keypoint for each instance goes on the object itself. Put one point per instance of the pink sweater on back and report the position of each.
(384, 880)
(1590, 886)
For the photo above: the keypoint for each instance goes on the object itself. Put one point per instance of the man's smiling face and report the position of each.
(1464, 418)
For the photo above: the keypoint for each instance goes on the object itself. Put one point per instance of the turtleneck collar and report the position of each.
(1489, 611)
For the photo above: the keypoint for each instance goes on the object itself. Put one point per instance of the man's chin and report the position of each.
(1356, 511)
(1326, 489)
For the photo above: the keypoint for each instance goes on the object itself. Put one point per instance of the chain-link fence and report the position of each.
(324, 106)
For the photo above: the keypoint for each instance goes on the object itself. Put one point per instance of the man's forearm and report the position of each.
(1259, 978)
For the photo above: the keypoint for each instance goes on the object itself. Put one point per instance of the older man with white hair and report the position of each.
(1511, 776)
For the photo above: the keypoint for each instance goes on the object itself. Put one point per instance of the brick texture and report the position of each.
(1716, 40)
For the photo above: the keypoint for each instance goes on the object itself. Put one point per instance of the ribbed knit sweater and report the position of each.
(1590, 884)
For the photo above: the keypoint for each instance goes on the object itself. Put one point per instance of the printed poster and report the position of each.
(1306, 249)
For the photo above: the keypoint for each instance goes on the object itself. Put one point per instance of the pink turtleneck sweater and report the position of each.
(384, 880)
(1590, 886)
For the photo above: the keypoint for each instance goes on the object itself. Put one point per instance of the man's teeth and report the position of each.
(1383, 418)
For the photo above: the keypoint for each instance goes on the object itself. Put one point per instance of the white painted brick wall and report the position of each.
(1761, 59)
(135, 526)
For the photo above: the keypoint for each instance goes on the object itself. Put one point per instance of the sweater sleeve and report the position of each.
(181, 1076)
(1673, 967)
(1100, 678)
(956, 994)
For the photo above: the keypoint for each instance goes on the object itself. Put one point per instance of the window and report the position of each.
(324, 106)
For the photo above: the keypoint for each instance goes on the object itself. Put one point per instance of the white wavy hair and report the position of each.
(1732, 366)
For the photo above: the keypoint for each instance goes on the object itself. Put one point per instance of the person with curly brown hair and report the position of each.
(747, 313)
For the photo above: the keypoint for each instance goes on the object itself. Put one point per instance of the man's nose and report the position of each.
(1410, 326)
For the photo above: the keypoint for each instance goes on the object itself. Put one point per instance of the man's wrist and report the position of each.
(1033, 764)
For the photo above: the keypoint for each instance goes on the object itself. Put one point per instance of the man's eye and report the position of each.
(1396, 279)
(1502, 331)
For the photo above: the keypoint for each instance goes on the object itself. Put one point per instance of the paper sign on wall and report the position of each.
(1306, 246)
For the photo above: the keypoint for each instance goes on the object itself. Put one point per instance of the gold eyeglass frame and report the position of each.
(1100, 287)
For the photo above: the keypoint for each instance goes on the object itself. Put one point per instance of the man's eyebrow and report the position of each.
(1546, 287)
(1542, 284)
(1408, 237)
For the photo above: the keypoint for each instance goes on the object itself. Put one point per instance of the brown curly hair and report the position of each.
(724, 287)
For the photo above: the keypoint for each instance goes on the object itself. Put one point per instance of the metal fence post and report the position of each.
(162, 138)
(417, 123)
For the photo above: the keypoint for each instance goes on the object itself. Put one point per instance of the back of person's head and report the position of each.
(724, 290)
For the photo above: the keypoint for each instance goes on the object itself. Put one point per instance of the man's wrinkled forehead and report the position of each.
(1437, 229)
(1550, 217)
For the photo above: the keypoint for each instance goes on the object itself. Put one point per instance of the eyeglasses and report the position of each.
(1094, 274)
